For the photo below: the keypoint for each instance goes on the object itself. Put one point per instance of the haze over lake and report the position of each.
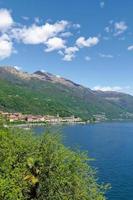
(111, 144)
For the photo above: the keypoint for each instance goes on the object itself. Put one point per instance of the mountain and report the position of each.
(45, 93)
(124, 101)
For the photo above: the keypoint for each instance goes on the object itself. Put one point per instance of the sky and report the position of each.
(87, 41)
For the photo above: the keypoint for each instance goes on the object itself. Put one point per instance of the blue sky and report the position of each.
(88, 41)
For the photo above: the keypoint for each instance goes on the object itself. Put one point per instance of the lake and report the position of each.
(111, 144)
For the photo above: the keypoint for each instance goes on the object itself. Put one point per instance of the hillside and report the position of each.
(44, 93)
(121, 100)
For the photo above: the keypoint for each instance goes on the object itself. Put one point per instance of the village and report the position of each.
(29, 118)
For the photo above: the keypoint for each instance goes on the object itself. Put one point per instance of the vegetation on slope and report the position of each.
(37, 96)
(43, 168)
(122, 100)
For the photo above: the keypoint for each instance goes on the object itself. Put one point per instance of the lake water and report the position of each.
(111, 144)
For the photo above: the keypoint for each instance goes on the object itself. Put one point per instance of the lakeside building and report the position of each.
(16, 117)
(100, 117)
(32, 118)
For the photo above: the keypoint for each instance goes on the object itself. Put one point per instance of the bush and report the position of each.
(43, 168)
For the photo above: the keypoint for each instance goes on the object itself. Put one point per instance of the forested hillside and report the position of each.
(44, 93)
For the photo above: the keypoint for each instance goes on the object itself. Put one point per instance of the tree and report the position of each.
(42, 168)
(2, 120)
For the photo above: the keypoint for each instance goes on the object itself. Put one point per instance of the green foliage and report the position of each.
(43, 168)
(43, 97)
(14, 149)
(3, 121)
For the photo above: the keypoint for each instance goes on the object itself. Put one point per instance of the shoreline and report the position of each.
(29, 125)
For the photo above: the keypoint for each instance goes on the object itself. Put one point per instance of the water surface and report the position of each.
(111, 144)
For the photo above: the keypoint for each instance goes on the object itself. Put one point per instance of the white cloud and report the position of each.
(106, 55)
(6, 47)
(76, 26)
(130, 48)
(53, 36)
(37, 20)
(60, 52)
(17, 68)
(71, 50)
(120, 27)
(69, 53)
(108, 88)
(66, 34)
(123, 89)
(6, 20)
(102, 4)
(43, 71)
(110, 27)
(55, 43)
(87, 58)
(69, 57)
(39, 34)
(58, 76)
(91, 41)
(116, 28)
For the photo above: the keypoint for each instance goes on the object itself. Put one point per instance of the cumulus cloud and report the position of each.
(37, 20)
(69, 53)
(55, 43)
(81, 42)
(125, 89)
(6, 47)
(91, 41)
(106, 55)
(6, 20)
(70, 50)
(58, 76)
(60, 52)
(18, 68)
(110, 27)
(116, 28)
(69, 57)
(76, 26)
(66, 34)
(108, 88)
(52, 36)
(130, 48)
(39, 34)
(120, 27)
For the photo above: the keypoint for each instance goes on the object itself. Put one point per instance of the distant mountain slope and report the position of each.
(124, 101)
(44, 93)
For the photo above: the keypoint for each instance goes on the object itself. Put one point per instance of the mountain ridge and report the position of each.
(44, 93)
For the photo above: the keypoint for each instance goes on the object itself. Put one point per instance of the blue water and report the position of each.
(111, 144)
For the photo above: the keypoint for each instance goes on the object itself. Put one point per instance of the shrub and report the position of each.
(43, 168)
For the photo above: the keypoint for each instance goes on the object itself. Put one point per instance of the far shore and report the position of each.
(29, 125)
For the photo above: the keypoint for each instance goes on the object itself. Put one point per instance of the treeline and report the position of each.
(42, 168)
